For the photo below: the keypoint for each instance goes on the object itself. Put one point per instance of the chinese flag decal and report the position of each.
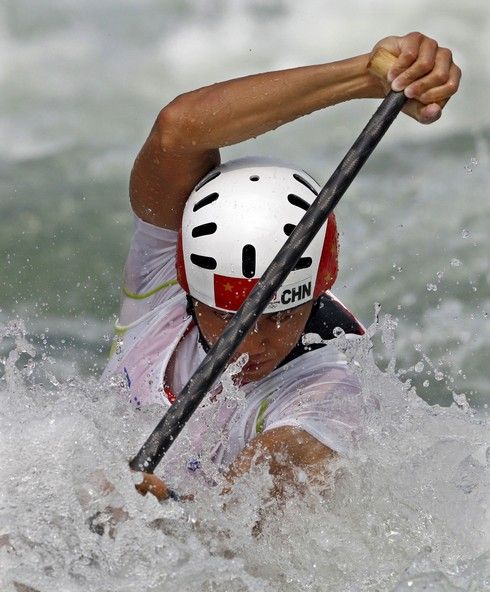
(230, 292)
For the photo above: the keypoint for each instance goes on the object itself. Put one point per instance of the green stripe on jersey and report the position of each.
(259, 424)
(135, 296)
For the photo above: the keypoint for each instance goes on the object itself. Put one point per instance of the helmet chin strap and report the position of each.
(192, 312)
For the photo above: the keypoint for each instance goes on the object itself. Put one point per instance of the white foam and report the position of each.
(408, 506)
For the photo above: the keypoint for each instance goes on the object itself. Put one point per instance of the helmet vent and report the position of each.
(206, 180)
(304, 182)
(254, 178)
(295, 200)
(205, 201)
(303, 263)
(248, 261)
(204, 262)
(204, 229)
(288, 229)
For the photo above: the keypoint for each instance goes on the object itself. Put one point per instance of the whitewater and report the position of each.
(81, 84)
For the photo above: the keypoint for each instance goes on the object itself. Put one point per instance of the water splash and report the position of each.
(405, 512)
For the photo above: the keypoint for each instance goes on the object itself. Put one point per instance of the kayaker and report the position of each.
(205, 232)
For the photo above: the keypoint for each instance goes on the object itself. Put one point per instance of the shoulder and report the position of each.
(328, 315)
(149, 273)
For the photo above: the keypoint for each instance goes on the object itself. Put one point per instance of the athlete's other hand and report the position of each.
(424, 71)
(149, 483)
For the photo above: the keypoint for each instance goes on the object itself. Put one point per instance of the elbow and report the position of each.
(173, 126)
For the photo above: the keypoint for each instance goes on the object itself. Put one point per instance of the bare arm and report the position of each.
(184, 142)
(295, 459)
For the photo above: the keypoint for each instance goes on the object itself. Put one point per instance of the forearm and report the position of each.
(184, 143)
(236, 110)
(294, 459)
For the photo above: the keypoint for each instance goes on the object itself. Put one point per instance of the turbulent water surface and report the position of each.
(81, 84)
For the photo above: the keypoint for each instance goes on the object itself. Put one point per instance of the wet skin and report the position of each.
(267, 343)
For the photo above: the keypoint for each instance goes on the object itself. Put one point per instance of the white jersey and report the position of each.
(314, 392)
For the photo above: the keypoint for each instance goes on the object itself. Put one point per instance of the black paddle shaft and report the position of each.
(218, 356)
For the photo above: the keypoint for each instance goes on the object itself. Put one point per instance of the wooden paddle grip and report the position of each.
(381, 62)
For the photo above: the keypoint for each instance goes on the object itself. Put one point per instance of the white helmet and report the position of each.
(235, 222)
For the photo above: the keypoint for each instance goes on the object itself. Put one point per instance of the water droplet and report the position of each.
(29, 367)
(455, 262)
(438, 375)
(419, 366)
(52, 379)
(426, 383)
(431, 287)
(465, 233)
(460, 399)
